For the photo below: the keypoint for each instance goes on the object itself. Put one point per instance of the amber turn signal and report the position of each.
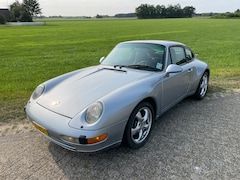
(96, 139)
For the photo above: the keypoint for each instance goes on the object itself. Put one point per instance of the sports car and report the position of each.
(117, 101)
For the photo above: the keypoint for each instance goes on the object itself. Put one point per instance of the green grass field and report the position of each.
(30, 55)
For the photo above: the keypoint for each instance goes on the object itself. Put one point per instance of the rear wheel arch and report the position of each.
(208, 71)
(202, 85)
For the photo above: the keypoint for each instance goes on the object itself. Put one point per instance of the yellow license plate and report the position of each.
(40, 128)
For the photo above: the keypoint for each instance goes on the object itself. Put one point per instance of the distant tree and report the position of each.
(174, 11)
(24, 12)
(189, 11)
(127, 15)
(160, 11)
(32, 7)
(18, 12)
(237, 13)
(227, 15)
(26, 17)
(99, 16)
(2, 19)
(146, 11)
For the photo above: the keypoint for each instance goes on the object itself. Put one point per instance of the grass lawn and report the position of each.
(30, 55)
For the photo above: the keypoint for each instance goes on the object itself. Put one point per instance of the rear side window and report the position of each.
(189, 54)
(177, 55)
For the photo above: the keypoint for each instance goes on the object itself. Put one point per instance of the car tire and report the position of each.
(202, 87)
(139, 125)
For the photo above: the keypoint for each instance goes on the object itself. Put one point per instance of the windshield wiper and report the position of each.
(120, 66)
(143, 67)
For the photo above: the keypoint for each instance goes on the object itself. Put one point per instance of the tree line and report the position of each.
(227, 15)
(25, 11)
(146, 11)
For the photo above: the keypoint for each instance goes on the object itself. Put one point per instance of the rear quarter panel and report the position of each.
(200, 68)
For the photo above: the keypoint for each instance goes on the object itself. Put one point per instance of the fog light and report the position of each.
(71, 139)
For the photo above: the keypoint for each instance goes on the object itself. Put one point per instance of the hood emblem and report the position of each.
(55, 103)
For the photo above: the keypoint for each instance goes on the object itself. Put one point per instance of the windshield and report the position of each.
(137, 55)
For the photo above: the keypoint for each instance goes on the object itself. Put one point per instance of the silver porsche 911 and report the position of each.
(94, 108)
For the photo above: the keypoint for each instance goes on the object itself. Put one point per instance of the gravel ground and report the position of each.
(194, 140)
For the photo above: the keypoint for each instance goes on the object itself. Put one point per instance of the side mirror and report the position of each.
(173, 68)
(101, 59)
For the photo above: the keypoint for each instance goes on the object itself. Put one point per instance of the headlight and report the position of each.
(94, 112)
(38, 91)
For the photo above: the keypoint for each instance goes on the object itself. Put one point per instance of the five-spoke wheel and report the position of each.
(202, 87)
(139, 125)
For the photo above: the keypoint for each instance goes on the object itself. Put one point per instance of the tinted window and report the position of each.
(189, 54)
(129, 54)
(177, 55)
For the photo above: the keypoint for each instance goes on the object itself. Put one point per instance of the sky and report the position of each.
(112, 7)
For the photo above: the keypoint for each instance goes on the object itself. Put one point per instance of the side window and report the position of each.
(177, 55)
(189, 54)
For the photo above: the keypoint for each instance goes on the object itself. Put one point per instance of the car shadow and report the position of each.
(215, 89)
(172, 131)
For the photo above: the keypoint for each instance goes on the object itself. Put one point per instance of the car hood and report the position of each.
(77, 91)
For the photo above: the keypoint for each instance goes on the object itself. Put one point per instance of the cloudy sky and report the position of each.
(112, 7)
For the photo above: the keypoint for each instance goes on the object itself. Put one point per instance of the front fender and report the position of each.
(119, 104)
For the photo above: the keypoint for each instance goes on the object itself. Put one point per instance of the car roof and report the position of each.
(160, 42)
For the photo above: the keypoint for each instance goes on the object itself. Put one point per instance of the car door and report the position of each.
(176, 85)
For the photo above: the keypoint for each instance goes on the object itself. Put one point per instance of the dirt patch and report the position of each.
(236, 90)
(16, 128)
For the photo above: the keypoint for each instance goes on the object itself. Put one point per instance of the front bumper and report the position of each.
(57, 126)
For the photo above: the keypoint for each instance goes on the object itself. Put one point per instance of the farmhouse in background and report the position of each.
(5, 13)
